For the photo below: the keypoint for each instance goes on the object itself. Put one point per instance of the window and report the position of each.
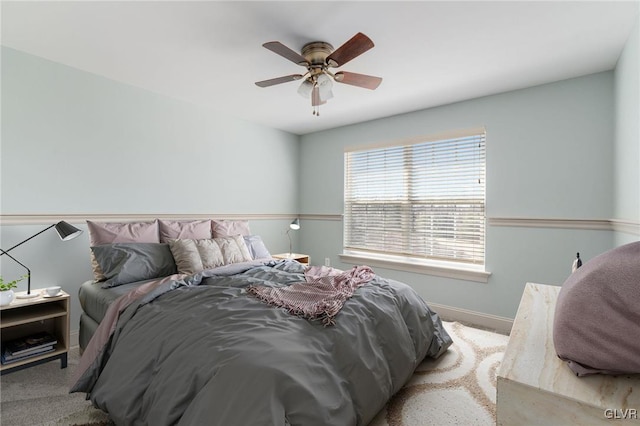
(418, 200)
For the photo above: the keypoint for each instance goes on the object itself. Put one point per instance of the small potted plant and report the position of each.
(6, 290)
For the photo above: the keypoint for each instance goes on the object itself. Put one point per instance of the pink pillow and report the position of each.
(228, 228)
(119, 232)
(185, 230)
(597, 320)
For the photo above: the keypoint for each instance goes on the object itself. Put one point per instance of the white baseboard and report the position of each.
(492, 322)
(74, 338)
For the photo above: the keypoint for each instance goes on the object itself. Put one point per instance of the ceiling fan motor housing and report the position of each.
(316, 52)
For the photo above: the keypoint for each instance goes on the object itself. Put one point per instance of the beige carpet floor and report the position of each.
(457, 389)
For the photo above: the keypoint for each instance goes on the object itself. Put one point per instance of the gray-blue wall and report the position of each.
(549, 156)
(74, 143)
(627, 131)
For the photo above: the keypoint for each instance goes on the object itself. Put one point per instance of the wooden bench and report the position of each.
(534, 387)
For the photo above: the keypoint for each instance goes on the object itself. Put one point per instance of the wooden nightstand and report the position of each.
(300, 258)
(24, 317)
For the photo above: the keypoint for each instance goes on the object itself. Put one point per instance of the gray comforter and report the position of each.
(208, 353)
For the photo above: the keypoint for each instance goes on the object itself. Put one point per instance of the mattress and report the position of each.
(88, 326)
(95, 300)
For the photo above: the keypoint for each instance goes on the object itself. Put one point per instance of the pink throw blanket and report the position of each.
(321, 296)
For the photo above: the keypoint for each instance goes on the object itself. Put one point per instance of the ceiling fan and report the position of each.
(317, 57)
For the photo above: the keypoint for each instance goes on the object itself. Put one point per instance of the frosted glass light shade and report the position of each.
(305, 89)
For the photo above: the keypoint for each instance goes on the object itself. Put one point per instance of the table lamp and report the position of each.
(65, 231)
(295, 225)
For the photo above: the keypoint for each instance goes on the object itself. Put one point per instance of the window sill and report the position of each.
(460, 273)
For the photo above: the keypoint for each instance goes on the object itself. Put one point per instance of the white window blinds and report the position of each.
(421, 199)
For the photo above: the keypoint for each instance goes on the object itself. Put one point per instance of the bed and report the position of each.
(94, 301)
(204, 348)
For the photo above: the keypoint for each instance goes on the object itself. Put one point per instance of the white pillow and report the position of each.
(234, 249)
(210, 253)
(193, 256)
(186, 255)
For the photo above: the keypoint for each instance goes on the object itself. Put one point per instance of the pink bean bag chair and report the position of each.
(597, 320)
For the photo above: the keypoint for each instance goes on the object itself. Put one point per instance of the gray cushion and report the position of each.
(124, 263)
(256, 247)
(119, 232)
(597, 317)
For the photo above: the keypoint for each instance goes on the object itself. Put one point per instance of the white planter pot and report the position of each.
(6, 297)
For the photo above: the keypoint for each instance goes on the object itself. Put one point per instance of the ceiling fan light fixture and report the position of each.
(318, 57)
(305, 89)
(325, 84)
(325, 95)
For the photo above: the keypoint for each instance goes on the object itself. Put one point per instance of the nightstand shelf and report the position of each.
(300, 258)
(24, 317)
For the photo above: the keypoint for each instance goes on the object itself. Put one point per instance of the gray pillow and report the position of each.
(256, 247)
(124, 263)
(597, 317)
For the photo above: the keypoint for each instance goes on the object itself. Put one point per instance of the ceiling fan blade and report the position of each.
(285, 52)
(360, 80)
(315, 97)
(274, 81)
(356, 46)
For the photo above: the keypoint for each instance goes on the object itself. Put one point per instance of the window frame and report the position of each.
(423, 263)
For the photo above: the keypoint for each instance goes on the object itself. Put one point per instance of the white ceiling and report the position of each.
(429, 53)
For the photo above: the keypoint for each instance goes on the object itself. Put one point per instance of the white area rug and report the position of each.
(457, 389)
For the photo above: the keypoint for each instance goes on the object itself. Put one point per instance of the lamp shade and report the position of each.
(305, 89)
(66, 231)
(324, 87)
(295, 225)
